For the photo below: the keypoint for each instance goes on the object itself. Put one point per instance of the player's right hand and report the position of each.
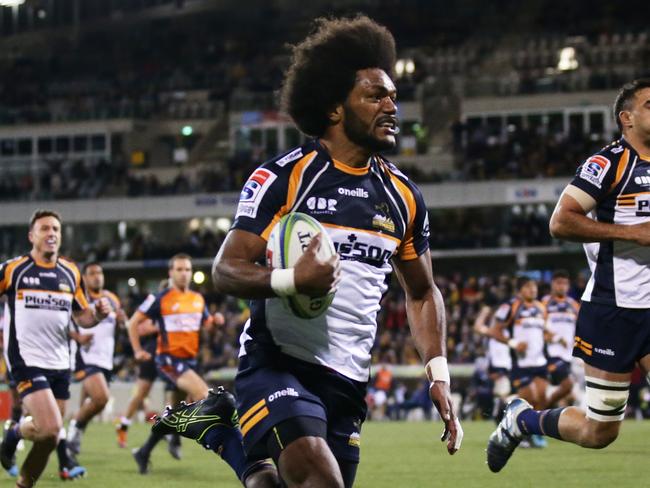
(84, 339)
(314, 277)
(521, 348)
(142, 356)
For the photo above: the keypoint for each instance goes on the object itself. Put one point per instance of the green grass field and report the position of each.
(394, 454)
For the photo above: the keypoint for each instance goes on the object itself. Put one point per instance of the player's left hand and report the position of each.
(453, 433)
(102, 308)
(121, 317)
(219, 319)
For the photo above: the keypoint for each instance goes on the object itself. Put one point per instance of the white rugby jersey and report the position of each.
(102, 347)
(618, 178)
(40, 301)
(525, 322)
(372, 214)
(499, 354)
(561, 317)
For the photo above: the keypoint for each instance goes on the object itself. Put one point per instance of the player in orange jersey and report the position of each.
(179, 313)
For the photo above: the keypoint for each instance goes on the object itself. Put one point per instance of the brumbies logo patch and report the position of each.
(381, 220)
(595, 169)
(253, 192)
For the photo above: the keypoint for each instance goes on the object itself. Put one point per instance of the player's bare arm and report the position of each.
(91, 316)
(496, 332)
(235, 270)
(570, 222)
(81, 339)
(134, 337)
(426, 316)
(481, 319)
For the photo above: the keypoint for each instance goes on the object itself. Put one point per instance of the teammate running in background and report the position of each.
(16, 402)
(523, 317)
(180, 313)
(44, 292)
(499, 361)
(561, 315)
(301, 383)
(148, 332)
(94, 356)
(607, 207)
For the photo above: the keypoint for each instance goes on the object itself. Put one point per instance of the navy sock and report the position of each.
(151, 442)
(16, 412)
(528, 422)
(541, 422)
(62, 454)
(551, 422)
(227, 443)
(14, 435)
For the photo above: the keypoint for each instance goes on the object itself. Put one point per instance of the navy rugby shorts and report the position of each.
(612, 338)
(272, 387)
(87, 370)
(171, 368)
(522, 377)
(558, 370)
(29, 379)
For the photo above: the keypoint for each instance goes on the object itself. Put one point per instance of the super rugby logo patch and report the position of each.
(595, 169)
(253, 192)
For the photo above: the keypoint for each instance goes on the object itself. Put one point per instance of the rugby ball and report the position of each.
(287, 242)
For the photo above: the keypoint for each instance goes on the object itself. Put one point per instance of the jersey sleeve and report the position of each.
(150, 306)
(3, 278)
(80, 301)
(262, 200)
(416, 240)
(115, 299)
(596, 175)
(504, 312)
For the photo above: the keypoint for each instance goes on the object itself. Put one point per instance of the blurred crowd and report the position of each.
(482, 152)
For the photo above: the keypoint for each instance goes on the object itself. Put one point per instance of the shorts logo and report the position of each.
(605, 352)
(583, 346)
(253, 192)
(595, 169)
(283, 393)
(355, 439)
(23, 386)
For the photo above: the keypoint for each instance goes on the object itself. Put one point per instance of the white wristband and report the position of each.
(437, 370)
(282, 282)
(513, 343)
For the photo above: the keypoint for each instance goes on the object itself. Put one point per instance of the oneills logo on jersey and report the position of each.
(253, 192)
(595, 169)
(357, 192)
